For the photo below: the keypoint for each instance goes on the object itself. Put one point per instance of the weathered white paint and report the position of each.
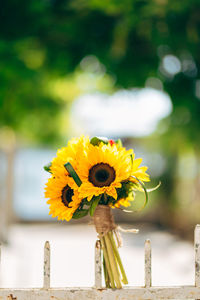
(98, 265)
(132, 293)
(147, 263)
(197, 254)
(99, 293)
(46, 278)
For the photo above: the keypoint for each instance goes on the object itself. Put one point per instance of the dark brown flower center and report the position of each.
(101, 175)
(67, 194)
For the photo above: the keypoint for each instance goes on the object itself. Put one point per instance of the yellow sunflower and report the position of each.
(63, 197)
(124, 201)
(102, 170)
(138, 171)
(75, 148)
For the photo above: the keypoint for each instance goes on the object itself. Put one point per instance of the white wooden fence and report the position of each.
(98, 292)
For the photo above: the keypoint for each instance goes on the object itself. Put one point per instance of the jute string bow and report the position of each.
(104, 222)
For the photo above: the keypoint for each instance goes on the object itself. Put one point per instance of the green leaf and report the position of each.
(145, 191)
(95, 141)
(80, 214)
(155, 188)
(119, 142)
(94, 204)
(48, 167)
(131, 155)
(73, 173)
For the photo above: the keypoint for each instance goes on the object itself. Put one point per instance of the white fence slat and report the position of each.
(197, 254)
(132, 293)
(147, 262)
(99, 293)
(46, 278)
(98, 265)
(0, 263)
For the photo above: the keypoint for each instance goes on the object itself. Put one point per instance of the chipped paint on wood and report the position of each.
(147, 263)
(98, 265)
(132, 293)
(99, 293)
(11, 297)
(46, 278)
(197, 254)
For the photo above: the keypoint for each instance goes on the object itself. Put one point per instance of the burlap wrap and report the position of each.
(103, 220)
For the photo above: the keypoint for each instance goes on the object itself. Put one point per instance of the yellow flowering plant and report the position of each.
(93, 176)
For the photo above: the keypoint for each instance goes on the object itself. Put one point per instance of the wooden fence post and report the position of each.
(197, 254)
(98, 265)
(147, 263)
(46, 276)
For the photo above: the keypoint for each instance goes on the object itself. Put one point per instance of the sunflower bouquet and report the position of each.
(92, 176)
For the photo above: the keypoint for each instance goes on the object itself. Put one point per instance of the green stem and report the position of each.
(118, 258)
(106, 277)
(107, 261)
(113, 262)
(105, 198)
(110, 233)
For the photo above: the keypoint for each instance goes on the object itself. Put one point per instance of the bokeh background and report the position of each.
(128, 70)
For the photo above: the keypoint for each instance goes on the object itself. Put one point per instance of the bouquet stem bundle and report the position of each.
(114, 273)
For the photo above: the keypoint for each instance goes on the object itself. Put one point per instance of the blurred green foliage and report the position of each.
(43, 42)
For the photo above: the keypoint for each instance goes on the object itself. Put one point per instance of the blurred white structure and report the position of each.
(126, 113)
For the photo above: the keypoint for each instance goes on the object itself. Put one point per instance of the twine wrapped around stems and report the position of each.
(109, 235)
(103, 220)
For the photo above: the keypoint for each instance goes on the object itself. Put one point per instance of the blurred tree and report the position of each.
(44, 40)
(140, 42)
